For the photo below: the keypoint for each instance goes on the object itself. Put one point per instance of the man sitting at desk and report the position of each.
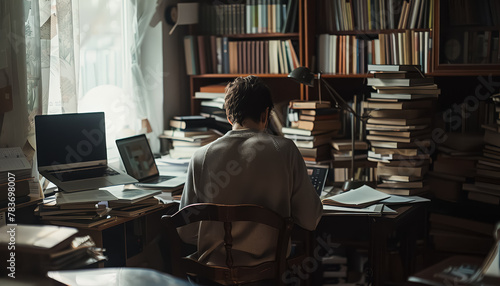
(249, 166)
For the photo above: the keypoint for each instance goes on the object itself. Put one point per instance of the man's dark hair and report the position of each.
(247, 97)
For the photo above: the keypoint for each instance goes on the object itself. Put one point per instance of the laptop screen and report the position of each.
(137, 157)
(74, 139)
(318, 178)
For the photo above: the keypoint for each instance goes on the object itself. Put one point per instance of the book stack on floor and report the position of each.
(454, 165)
(334, 269)
(399, 127)
(313, 124)
(42, 248)
(486, 187)
(188, 134)
(452, 233)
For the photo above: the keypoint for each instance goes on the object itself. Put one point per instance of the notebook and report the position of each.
(71, 152)
(140, 163)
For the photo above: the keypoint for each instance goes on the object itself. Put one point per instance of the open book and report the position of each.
(358, 198)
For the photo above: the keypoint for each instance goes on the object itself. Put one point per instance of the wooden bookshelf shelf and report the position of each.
(375, 32)
(364, 75)
(263, 36)
(232, 76)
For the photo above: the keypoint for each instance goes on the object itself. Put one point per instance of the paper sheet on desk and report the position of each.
(13, 159)
(373, 209)
(169, 160)
(166, 198)
(395, 200)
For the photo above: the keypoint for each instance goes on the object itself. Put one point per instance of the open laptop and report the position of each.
(139, 162)
(71, 152)
(318, 178)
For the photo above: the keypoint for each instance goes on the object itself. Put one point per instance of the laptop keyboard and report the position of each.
(158, 179)
(85, 174)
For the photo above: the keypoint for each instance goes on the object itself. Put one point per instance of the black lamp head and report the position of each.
(302, 75)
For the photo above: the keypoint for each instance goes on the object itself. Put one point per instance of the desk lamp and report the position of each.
(304, 76)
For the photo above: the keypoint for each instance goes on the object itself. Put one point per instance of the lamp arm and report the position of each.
(340, 101)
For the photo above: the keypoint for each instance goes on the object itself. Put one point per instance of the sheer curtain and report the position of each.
(84, 56)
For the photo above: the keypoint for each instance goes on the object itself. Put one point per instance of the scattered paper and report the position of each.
(359, 197)
(394, 200)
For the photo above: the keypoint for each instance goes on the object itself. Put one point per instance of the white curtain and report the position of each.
(80, 56)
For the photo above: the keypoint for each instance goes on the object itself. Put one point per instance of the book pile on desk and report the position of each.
(15, 172)
(399, 127)
(77, 214)
(312, 126)
(133, 202)
(47, 247)
(188, 134)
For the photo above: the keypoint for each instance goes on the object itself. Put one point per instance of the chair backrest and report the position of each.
(227, 214)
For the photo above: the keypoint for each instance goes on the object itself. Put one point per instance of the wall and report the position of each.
(175, 82)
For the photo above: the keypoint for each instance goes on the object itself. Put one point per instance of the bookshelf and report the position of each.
(427, 32)
(250, 45)
(467, 38)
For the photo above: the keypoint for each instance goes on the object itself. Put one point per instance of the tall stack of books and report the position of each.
(486, 187)
(399, 127)
(312, 126)
(188, 134)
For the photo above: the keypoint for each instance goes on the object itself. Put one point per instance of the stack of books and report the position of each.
(47, 248)
(133, 202)
(454, 165)
(74, 212)
(212, 91)
(487, 180)
(212, 105)
(312, 126)
(399, 127)
(455, 234)
(342, 150)
(334, 269)
(15, 174)
(188, 134)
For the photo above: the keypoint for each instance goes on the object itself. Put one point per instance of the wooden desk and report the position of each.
(126, 238)
(373, 232)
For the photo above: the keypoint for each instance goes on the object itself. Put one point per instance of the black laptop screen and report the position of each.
(70, 138)
(137, 157)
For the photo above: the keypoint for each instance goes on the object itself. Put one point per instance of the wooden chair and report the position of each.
(230, 274)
